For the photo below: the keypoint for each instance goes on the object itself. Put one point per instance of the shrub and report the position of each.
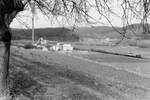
(28, 46)
(16, 38)
(138, 56)
(144, 44)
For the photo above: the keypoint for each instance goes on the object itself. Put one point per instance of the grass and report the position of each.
(144, 44)
(139, 43)
(132, 42)
(57, 81)
(37, 81)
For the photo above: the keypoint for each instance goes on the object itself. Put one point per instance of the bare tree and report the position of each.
(76, 10)
(137, 10)
(8, 10)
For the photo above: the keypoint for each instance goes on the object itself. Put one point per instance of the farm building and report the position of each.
(62, 47)
(67, 47)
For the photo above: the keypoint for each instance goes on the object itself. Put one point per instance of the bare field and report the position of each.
(41, 75)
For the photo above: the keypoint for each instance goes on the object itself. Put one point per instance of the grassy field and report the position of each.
(41, 75)
(135, 65)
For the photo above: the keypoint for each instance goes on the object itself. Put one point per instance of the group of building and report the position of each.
(46, 45)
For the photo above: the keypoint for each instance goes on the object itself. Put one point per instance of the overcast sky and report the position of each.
(42, 21)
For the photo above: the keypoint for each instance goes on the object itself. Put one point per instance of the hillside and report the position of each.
(56, 34)
(135, 30)
(66, 34)
(97, 32)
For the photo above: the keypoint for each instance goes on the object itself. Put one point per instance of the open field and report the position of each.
(130, 64)
(79, 75)
(57, 76)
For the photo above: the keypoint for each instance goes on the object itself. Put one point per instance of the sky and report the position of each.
(41, 21)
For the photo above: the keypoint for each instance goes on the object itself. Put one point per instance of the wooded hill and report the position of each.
(66, 34)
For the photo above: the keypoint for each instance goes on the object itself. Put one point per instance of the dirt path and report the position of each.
(81, 79)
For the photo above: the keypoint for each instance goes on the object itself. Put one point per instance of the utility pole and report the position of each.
(33, 12)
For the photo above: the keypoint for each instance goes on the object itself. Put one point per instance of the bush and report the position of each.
(144, 44)
(28, 46)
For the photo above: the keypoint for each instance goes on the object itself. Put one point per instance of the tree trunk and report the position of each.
(8, 11)
(5, 40)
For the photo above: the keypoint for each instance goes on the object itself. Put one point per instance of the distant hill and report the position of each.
(97, 32)
(135, 30)
(66, 34)
(56, 34)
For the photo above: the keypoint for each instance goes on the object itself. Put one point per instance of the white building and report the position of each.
(56, 47)
(67, 47)
(62, 47)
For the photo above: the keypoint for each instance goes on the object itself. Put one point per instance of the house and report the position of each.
(62, 47)
(56, 47)
(67, 47)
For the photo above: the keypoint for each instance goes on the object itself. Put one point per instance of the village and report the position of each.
(46, 45)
